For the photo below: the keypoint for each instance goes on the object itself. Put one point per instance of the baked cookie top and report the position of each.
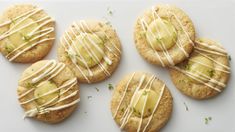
(164, 35)
(48, 91)
(91, 49)
(206, 73)
(141, 102)
(26, 33)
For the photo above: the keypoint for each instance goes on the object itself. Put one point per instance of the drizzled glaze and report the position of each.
(178, 42)
(69, 48)
(215, 50)
(128, 112)
(49, 70)
(36, 33)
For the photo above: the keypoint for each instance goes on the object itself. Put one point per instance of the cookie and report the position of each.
(48, 91)
(141, 102)
(91, 49)
(26, 33)
(164, 35)
(206, 73)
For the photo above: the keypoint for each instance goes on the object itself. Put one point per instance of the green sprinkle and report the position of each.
(110, 86)
(122, 110)
(211, 73)
(186, 106)
(89, 97)
(97, 89)
(29, 85)
(13, 21)
(187, 67)
(8, 49)
(110, 11)
(26, 37)
(145, 92)
(108, 22)
(159, 40)
(207, 120)
(181, 81)
(229, 58)
(134, 110)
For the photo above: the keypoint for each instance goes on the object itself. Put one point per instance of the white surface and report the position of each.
(212, 19)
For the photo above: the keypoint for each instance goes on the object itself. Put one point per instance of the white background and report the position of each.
(212, 19)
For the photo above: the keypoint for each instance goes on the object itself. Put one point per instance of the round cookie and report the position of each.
(141, 102)
(48, 91)
(164, 35)
(206, 73)
(91, 49)
(26, 33)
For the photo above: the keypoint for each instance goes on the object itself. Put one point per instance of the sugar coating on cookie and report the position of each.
(48, 91)
(141, 102)
(91, 49)
(205, 74)
(26, 33)
(164, 35)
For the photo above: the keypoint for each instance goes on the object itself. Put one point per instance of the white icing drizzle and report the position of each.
(36, 111)
(144, 24)
(72, 82)
(178, 21)
(73, 52)
(155, 108)
(47, 31)
(84, 23)
(210, 51)
(217, 48)
(107, 60)
(145, 102)
(47, 72)
(89, 50)
(154, 13)
(165, 52)
(31, 12)
(128, 112)
(71, 49)
(225, 71)
(61, 93)
(50, 70)
(72, 59)
(39, 70)
(224, 66)
(127, 85)
(196, 77)
(41, 109)
(36, 33)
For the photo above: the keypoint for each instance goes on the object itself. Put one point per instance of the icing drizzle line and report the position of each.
(35, 34)
(215, 50)
(50, 70)
(72, 50)
(128, 112)
(178, 43)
